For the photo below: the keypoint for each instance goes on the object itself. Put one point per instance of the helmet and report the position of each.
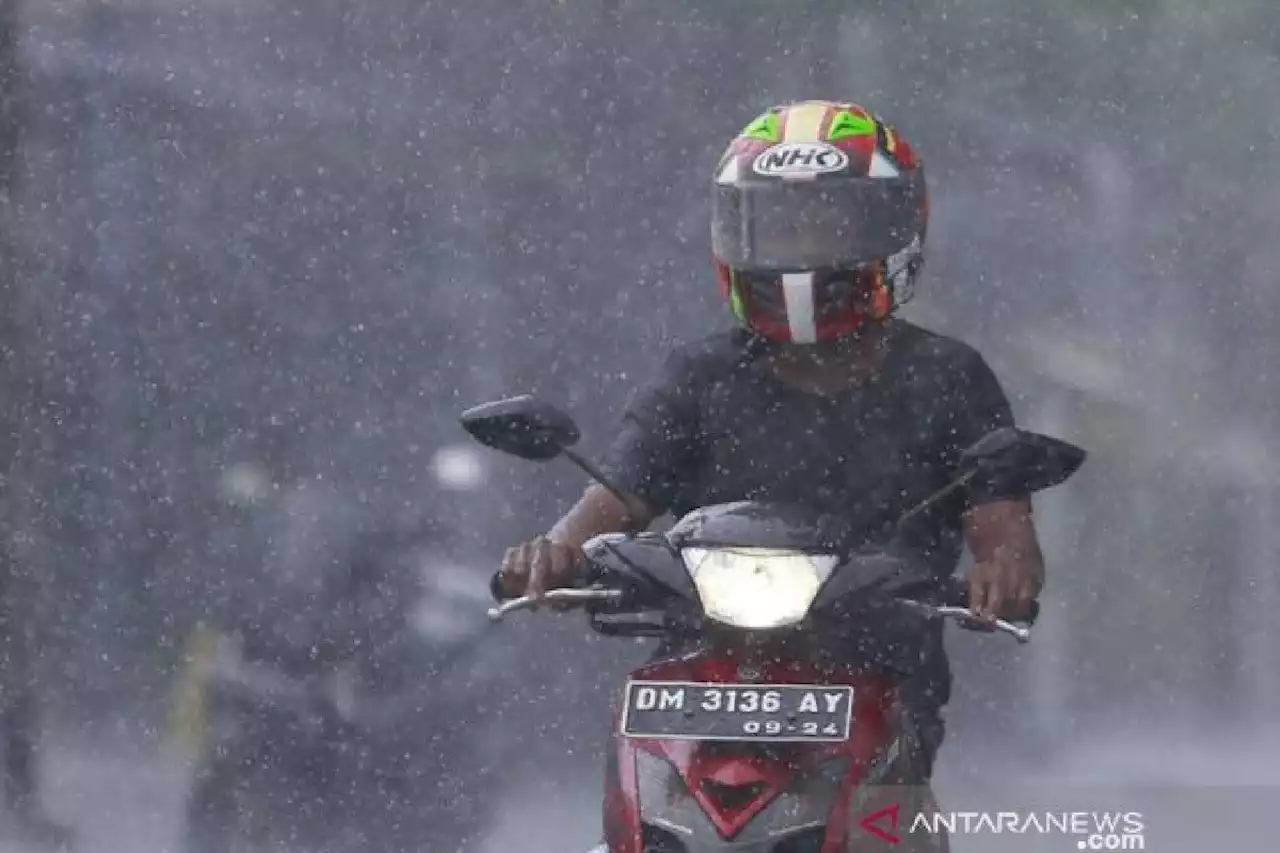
(819, 213)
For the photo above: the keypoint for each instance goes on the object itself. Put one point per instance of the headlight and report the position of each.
(757, 587)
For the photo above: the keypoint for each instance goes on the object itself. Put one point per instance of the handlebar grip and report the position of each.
(583, 575)
(955, 593)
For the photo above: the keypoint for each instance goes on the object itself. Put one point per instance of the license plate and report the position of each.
(769, 712)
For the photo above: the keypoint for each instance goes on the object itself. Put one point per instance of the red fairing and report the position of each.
(697, 763)
(622, 801)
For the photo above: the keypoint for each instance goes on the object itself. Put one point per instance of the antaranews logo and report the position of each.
(883, 824)
(1101, 831)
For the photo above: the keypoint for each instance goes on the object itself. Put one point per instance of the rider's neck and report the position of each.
(831, 367)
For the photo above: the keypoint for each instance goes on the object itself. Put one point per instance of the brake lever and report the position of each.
(554, 596)
(966, 615)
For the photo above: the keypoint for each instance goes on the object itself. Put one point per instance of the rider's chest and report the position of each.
(773, 440)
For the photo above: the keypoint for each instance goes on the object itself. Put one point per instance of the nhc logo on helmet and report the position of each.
(800, 158)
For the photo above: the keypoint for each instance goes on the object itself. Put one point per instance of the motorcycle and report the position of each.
(752, 730)
(322, 725)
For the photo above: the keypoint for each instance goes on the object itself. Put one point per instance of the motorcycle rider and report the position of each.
(821, 397)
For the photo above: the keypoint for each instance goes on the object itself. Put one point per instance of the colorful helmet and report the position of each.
(818, 221)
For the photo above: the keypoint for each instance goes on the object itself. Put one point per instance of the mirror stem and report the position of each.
(935, 497)
(596, 474)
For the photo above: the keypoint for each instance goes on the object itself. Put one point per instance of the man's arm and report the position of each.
(648, 463)
(600, 511)
(532, 567)
(1009, 566)
(1008, 570)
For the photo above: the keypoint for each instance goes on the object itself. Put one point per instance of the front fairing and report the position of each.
(652, 572)
(702, 796)
(673, 817)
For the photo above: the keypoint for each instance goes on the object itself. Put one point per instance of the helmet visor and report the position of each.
(799, 225)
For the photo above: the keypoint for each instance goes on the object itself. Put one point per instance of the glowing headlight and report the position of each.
(757, 587)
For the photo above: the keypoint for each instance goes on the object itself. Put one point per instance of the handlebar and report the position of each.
(965, 616)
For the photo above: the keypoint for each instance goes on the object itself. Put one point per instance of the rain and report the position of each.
(257, 257)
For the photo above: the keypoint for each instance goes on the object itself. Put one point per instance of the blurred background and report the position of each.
(253, 249)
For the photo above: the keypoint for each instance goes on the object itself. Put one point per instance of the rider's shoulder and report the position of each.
(709, 357)
(927, 347)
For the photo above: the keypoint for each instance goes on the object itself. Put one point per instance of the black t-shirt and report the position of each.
(718, 426)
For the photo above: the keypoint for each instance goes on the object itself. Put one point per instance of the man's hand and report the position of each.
(534, 567)
(550, 561)
(1005, 588)
(1009, 572)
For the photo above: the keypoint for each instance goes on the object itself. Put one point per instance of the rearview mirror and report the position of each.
(521, 426)
(1015, 461)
